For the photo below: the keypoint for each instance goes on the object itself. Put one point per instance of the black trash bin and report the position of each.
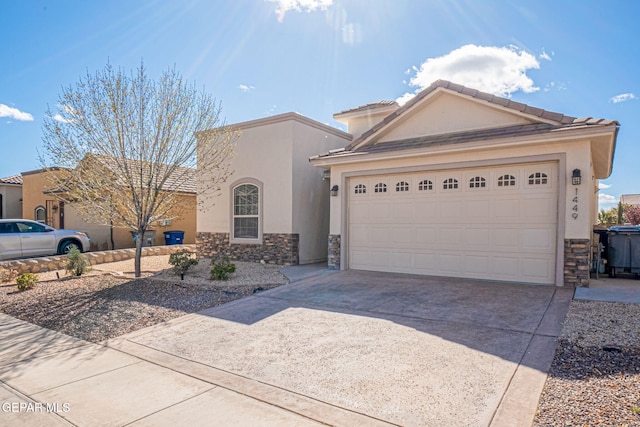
(624, 250)
(174, 237)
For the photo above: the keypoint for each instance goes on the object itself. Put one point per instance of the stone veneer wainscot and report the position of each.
(333, 260)
(576, 262)
(281, 249)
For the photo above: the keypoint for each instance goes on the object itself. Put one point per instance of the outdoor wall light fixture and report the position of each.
(576, 178)
(55, 208)
(334, 191)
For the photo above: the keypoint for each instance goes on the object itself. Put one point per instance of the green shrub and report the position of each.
(77, 264)
(26, 281)
(182, 260)
(221, 269)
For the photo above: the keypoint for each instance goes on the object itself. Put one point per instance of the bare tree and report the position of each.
(128, 146)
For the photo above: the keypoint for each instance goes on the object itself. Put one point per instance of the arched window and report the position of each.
(380, 187)
(40, 214)
(537, 178)
(425, 185)
(402, 186)
(477, 182)
(360, 189)
(506, 181)
(450, 184)
(246, 212)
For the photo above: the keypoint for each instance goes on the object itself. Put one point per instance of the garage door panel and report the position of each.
(506, 208)
(479, 237)
(492, 232)
(477, 265)
(478, 209)
(535, 239)
(424, 211)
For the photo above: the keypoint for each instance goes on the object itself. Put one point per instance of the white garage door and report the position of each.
(494, 223)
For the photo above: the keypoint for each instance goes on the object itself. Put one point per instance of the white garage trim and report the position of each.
(549, 257)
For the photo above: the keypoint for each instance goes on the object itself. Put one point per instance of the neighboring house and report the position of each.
(462, 183)
(11, 197)
(630, 199)
(43, 202)
(274, 207)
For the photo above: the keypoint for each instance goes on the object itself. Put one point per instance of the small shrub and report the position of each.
(26, 281)
(182, 260)
(77, 264)
(221, 269)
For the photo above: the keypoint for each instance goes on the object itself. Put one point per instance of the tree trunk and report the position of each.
(139, 242)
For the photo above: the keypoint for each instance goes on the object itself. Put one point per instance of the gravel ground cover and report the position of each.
(595, 376)
(108, 302)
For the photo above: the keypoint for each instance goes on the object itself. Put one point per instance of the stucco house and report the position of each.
(11, 196)
(462, 183)
(42, 201)
(274, 207)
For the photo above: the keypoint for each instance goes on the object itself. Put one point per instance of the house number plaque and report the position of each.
(574, 215)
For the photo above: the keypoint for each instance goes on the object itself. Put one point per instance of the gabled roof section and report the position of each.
(279, 118)
(440, 85)
(12, 180)
(368, 107)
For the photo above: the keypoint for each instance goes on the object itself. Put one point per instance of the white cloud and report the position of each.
(606, 199)
(299, 6)
(622, 98)
(602, 185)
(14, 113)
(544, 55)
(59, 118)
(555, 85)
(497, 70)
(245, 88)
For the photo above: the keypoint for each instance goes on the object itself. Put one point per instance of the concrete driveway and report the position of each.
(361, 348)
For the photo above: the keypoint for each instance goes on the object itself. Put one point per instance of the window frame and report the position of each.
(380, 188)
(233, 216)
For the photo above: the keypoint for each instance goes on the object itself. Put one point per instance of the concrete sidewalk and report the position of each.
(48, 378)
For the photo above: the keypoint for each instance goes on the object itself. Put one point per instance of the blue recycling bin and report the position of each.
(174, 237)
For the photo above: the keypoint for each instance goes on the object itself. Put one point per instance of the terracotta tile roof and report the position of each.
(370, 106)
(468, 136)
(181, 179)
(504, 102)
(13, 179)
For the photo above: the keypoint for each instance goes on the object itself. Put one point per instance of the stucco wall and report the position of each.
(11, 201)
(311, 192)
(263, 153)
(446, 113)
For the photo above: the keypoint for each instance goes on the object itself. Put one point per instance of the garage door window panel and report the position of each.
(402, 186)
(450, 184)
(477, 182)
(538, 178)
(425, 185)
(380, 188)
(506, 181)
(360, 189)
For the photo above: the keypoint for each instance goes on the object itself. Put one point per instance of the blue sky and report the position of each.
(319, 57)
